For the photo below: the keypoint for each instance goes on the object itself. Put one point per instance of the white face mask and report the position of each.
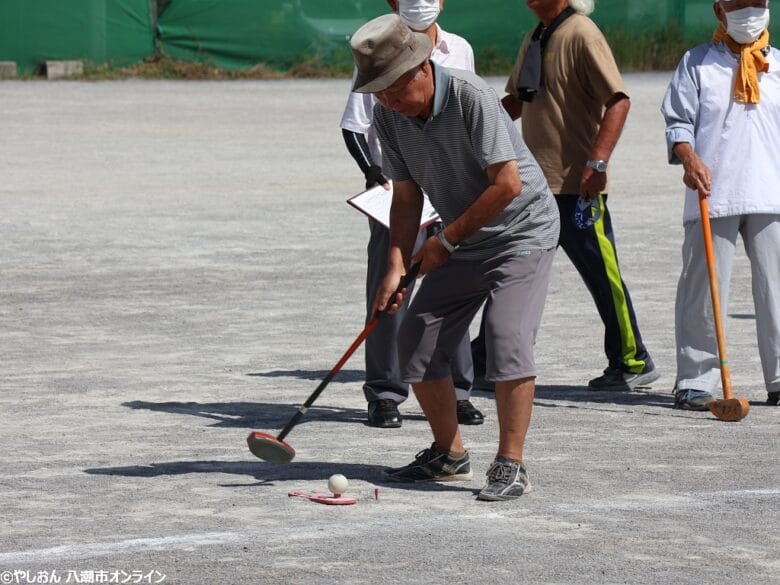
(418, 14)
(746, 24)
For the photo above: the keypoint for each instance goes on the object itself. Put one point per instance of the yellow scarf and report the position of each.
(751, 62)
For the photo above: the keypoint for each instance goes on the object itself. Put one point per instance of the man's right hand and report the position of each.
(387, 295)
(375, 177)
(697, 175)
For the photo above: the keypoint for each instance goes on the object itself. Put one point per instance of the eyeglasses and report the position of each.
(586, 212)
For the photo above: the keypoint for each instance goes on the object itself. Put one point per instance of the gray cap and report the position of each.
(384, 49)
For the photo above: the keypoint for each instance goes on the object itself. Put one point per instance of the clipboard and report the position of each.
(376, 202)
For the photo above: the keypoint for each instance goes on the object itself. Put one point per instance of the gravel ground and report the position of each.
(179, 267)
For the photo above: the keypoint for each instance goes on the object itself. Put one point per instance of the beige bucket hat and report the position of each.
(384, 49)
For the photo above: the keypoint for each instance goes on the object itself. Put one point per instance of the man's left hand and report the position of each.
(432, 255)
(592, 183)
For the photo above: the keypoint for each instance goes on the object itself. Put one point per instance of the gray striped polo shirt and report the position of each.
(447, 155)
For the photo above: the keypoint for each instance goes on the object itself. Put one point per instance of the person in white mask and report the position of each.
(745, 21)
(418, 16)
(722, 112)
(383, 387)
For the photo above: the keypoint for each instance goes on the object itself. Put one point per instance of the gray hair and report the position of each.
(583, 6)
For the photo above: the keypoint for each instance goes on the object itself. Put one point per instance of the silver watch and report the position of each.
(444, 242)
(600, 166)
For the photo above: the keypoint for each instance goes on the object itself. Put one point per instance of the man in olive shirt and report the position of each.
(566, 84)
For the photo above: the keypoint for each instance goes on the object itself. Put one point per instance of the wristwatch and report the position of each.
(600, 166)
(444, 242)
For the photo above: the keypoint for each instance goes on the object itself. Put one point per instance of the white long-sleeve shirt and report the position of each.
(740, 143)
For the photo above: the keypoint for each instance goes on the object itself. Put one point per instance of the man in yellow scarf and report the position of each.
(744, 19)
(722, 111)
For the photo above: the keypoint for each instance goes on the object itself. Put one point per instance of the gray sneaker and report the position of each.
(433, 465)
(614, 379)
(506, 480)
(692, 399)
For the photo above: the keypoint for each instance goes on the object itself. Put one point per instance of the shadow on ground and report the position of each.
(583, 394)
(641, 395)
(267, 474)
(254, 415)
(341, 376)
(251, 414)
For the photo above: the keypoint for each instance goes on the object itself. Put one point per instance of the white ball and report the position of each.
(337, 484)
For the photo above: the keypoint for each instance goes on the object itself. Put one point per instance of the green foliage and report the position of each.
(490, 60)
(165, 67)
(658, 50)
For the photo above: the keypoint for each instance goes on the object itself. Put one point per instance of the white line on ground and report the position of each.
(657, 501)
(80, 551)
(747, 493)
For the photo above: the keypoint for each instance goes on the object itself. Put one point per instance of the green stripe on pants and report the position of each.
(627, 339)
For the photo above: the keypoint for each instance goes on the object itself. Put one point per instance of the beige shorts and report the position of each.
(514, 292)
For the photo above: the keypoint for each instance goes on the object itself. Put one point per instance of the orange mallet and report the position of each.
(730, 408)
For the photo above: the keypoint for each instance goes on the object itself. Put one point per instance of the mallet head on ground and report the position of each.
(269, 448)
(730, 409)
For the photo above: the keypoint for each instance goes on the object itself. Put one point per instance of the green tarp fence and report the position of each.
(236, 34)
(98, 31)
(241, 33)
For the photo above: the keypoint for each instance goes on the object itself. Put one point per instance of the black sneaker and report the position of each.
(506, 480)
(773, 398)
(433, 465)
(468, 413)
(384, 414)
(615, 379)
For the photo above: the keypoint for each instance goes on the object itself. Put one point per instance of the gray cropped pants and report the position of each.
(383, 376)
